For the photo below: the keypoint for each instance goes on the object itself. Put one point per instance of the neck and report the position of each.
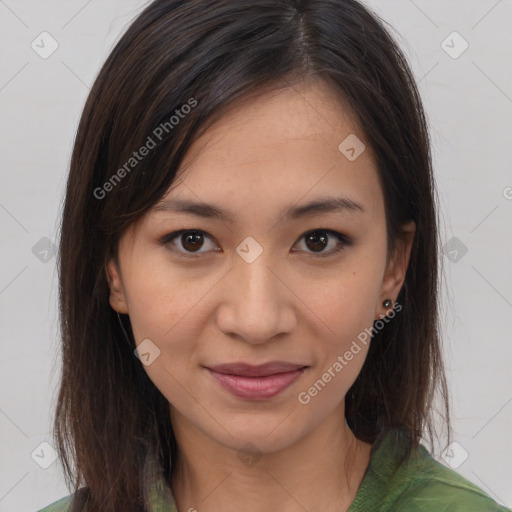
(322, 471)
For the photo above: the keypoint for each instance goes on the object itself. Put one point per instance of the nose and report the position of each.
(258, 304)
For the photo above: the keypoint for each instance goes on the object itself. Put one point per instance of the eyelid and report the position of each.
(167, 239)
(344, 241)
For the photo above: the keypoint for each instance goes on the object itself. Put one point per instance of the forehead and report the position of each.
(280, 148)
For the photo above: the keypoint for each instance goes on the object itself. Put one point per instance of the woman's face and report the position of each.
(259, 285)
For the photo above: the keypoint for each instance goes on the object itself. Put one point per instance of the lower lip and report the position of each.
(257, 388)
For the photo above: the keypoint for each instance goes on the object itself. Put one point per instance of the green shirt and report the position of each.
(421, 484)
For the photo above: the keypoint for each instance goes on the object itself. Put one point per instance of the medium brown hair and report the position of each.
(109, 413)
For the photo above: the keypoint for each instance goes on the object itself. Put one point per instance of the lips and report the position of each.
(263, 370)
(256, 382)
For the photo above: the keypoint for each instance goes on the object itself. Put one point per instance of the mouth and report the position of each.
(256, 382)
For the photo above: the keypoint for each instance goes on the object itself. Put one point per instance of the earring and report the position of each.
(387, 303)
(116, 289)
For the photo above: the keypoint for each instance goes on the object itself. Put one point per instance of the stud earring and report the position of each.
(116, 289)
(386, 303)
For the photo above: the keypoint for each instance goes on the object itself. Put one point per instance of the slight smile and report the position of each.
(256, 382)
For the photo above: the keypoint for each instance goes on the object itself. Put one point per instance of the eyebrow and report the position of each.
(319, 206)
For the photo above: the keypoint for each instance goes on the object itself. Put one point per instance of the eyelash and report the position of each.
(343, 241)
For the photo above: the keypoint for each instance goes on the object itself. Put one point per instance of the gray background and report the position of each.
(468, 98)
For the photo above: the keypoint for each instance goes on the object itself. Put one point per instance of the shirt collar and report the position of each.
(158, 495)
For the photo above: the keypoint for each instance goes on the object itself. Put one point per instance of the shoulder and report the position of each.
(72, 503)
(63, 505)
(431, 486)
(401, 479)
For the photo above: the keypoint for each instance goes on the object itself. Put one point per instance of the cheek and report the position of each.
(339, 357)
(346, 310)
(167, 321)
(161, 300)
(345, 304)
(165, 307)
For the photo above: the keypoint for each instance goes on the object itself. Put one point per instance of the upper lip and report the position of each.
(262, 370)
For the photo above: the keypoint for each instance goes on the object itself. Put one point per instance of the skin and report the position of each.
(266, 153)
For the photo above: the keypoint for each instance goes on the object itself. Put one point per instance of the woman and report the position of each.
(248, 270)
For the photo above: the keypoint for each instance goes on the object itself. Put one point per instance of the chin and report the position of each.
(265, 435)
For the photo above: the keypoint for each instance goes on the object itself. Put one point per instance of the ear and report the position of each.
(394, 276)
(117, 297)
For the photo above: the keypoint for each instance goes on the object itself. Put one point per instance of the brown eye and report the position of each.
(191, 241)
(318, 240)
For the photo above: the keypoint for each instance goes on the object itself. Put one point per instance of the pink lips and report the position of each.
(256, 382)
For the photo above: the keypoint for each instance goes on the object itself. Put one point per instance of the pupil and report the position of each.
(315, 236)
(194, 236)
